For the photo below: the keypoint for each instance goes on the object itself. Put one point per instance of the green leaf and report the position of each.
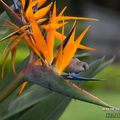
(105, 64)
(93, 68)
(82, 56)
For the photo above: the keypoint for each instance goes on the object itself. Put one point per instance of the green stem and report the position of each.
(12, 86)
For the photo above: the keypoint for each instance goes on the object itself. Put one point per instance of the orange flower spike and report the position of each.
(51, 33)
(59, 36)
(39, 39)
(41, 2)
(42, 12)
(60, 52)
(63, 37)
(67, 52)
(53, 18)
(29, 12)
(74, 49)
(79, 39)
(53, 26)
(67, 56)
(74, 18)
(23, 3)
(61, 13)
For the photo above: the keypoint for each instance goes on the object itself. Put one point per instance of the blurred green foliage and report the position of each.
(111, 74)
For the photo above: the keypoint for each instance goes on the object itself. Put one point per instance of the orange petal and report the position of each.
(42, 12)
(23, 3)
(61, 13)
(68, 52)
(37, 62)
(41, 2)
(22, 88)
(53, 26)
(69, 57)
(53, 18)
(39, 39)
(59, 55)
(60, 36)
(29, 11)
(41, 20)
(79, 39)
(85, 47)
(50, 43)
(32, 47)
(70, 49)
(74, 18)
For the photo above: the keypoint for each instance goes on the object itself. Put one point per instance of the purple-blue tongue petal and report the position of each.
(17, 5)
(67, 39)
(74, 76)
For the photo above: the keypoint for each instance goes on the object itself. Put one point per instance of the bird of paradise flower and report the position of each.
(38, 27)
(43, 46)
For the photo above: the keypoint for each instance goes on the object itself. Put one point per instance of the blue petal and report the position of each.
(17, 5)
(73, 76)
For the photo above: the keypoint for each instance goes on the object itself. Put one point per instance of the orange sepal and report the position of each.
(74, 18)
(42, 12)
(85, 47)
(22, 88)
(41, 2)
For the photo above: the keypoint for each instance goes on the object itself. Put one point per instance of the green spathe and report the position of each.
(48, 79)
